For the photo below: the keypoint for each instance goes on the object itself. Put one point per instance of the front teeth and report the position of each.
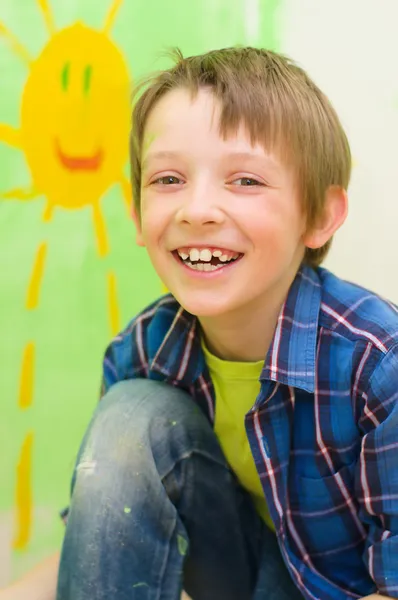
(191, 258)
(205, 255)
(194, 254)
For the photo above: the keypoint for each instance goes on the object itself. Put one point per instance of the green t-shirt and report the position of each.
(236, 387)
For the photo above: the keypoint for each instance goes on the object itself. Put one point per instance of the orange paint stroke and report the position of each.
(36, 278)
(114, 315)
(23, 499)
(100, 231)
(27, 375)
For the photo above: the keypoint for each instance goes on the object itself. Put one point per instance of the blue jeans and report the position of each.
(155, 508)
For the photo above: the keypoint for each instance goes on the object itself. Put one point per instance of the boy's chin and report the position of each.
(205, 306)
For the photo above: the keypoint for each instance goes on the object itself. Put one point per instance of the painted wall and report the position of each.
(70, 274)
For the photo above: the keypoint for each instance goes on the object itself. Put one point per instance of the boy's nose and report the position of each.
(200, 208)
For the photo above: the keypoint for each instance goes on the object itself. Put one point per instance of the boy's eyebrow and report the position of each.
(158, 155)
(229, 156)
(267, 158)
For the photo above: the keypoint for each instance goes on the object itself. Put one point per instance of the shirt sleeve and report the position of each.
(125, 357)
(377, 474)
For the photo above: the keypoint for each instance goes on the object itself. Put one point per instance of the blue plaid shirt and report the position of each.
(323, 430)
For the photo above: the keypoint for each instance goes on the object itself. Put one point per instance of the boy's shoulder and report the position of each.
(151, 325)
(163, 308)
(154, 321)
(356, 313)
(130, 353)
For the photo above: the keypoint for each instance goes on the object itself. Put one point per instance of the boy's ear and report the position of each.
(137, 221)
(334, 215)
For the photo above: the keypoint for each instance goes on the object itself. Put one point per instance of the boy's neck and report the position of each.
(245, 336)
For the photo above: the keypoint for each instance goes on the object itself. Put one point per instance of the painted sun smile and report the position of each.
(79, 163)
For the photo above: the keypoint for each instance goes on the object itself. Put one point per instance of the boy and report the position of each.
(245, 443)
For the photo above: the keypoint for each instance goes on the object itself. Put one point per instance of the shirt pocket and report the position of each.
(325, 511)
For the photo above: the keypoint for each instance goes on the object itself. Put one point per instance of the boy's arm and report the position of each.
(39, 584)
(376, 481)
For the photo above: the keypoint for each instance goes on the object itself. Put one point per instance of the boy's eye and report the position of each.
(247, 181)
(168, 180)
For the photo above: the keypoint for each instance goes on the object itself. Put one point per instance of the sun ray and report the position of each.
(23, 493)
(10, 136)
(23, 194)
(100, 231)
(15, 44)
(32, 298)
(27, 377)
(114, 314)
(48, 212)
(127, 193)
(48, 16)
(110, 18)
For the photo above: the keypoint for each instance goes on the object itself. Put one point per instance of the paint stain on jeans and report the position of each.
(182, 545)
(87, 466)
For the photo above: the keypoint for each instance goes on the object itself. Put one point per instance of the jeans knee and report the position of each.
(119, 421)
(137, 421)
(145, 440)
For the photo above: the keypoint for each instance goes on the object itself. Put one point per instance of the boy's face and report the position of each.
(203, 194)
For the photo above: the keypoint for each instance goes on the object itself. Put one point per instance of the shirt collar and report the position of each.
(291, 358)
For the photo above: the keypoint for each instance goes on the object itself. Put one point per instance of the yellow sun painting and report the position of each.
(74, 124)
(75, 115)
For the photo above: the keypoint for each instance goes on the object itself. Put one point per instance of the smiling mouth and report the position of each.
(79, 163)
(208, 266)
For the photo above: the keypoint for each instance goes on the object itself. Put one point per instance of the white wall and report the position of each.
(350, 48)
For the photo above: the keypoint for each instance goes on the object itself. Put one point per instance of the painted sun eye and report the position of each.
(88, 71)
(65, 77)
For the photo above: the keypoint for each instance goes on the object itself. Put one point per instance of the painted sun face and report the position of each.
(75, 117)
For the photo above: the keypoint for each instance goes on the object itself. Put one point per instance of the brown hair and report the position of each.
(280, 107)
